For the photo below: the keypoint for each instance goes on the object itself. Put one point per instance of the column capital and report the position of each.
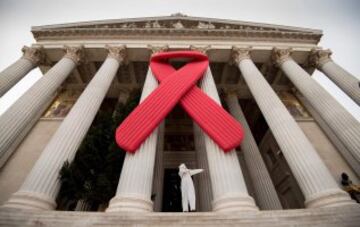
(240, 53)
(202, 49)
(75, 53)
(318, 57)
(157, 49)
(279, 56)
(117, 52)
(34, 54)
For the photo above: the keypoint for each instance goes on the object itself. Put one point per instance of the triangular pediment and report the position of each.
(176, 21)
(176, 25)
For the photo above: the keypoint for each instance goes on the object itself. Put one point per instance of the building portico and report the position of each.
(298, 139)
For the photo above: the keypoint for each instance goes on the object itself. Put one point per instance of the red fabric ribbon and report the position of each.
(179, 86)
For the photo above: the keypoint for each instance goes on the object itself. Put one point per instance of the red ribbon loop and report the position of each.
(179, 86)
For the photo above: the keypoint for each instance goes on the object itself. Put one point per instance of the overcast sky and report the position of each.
(339, 20)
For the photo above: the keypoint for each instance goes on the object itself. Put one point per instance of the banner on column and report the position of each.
(179, 86)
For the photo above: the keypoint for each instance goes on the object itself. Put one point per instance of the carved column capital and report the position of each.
(34, 54)
(157, 49)
(279, 56)
(202, 49)
(239, 53)
(75, 53)
(117, 52)
(318, 57)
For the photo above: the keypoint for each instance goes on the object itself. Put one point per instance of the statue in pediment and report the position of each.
(203, 25)
(178, 25)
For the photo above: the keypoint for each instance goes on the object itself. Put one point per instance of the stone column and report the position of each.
(228, 185)
(264, 189)
(314, 179)
(15, 72)
(135, 184)
(41, 186)
(134, 189)
(343, 79)
(205, 197)
(15, 121)
(343, 124)
(159, 169)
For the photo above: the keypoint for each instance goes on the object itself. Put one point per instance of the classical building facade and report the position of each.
(287, 171)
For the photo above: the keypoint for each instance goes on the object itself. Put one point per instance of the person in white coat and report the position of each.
(187, 187)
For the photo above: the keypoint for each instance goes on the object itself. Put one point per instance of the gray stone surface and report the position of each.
(342, 78)
(15, 72)
(228, 185)
(327, 217)
(314, 179)
(15, 121)
(135, 184)
(41, 186)
(344, 125)
(265, 193)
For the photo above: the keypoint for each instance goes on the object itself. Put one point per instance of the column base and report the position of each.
(330, 198)
(130, 204)
(234, 203)
(30, 200)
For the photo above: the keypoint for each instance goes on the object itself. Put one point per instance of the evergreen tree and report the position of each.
(94, 173)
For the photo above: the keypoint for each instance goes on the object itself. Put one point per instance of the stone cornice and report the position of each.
(179, 33)
(117, 52)
(318, 57)
(279, 56)
(35, 55)
(75, 53)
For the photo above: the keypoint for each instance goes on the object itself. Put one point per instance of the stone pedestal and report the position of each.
(264, 189)
(41, 186)
(314, 179)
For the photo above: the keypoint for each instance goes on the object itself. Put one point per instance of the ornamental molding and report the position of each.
(318, 57)
(75, 53)
(240, 53)
(202, 49)
(279, 55)
(180, 26)
(117, 52)
(157, 49)
(35, 55)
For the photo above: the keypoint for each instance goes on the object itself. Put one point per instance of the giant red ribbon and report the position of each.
(179, 86)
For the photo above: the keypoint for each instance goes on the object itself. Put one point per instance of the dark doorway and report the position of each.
(171, 191)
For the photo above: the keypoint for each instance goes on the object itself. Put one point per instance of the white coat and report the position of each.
(187, 187)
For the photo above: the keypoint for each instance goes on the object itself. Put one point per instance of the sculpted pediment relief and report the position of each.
(176, 21)
(174, 25)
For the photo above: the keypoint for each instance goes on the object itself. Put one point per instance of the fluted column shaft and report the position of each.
(204, 178)
(15, 72)
(342, 78)
(159, 169)
(41, 186)
(314, 179)
(135, 184)
(228, 185)
(265, 193)
(15, 121)
(343, 124)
